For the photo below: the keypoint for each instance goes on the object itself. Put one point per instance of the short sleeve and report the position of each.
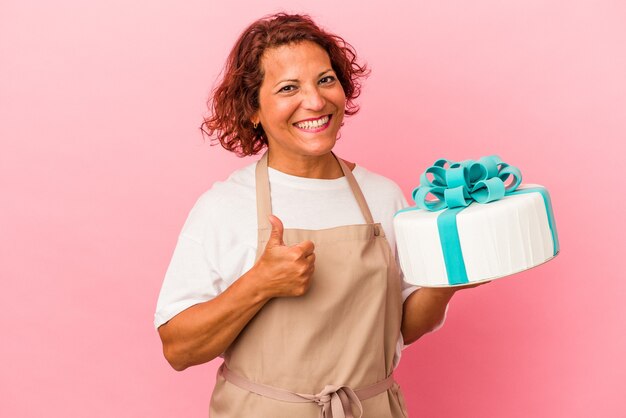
(190, 279)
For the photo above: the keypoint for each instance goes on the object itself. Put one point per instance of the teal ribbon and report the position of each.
(461, 183)
(457, 186)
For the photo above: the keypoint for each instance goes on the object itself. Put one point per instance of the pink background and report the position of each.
(101, 160)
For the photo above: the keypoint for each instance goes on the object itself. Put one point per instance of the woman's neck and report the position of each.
(318, 167)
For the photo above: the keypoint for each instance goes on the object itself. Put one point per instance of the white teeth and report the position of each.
(313, 124)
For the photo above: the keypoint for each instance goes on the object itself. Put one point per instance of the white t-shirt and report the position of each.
(218, 241)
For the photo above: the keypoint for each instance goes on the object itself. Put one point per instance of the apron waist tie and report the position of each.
(336, 401)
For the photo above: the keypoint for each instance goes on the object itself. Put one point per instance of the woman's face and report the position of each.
(301, 101)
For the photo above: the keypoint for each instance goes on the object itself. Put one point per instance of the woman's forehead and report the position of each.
(294, 60)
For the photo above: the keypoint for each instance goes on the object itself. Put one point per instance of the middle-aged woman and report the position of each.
(296, 285)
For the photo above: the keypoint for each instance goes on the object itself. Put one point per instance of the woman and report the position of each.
(310, 317)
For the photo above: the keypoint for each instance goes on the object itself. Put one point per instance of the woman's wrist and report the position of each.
(255, 286)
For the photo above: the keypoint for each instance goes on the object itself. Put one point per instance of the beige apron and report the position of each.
(328, 353)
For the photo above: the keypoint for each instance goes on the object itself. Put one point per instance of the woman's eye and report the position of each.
(327, 79)
(287, 89)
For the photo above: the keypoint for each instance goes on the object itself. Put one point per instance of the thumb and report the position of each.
(276, 236)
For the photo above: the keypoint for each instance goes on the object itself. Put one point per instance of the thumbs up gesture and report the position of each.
(285, 270)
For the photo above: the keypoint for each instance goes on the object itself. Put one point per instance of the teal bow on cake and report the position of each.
(464, 182)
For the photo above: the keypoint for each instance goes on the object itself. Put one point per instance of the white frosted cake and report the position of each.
(475, 242)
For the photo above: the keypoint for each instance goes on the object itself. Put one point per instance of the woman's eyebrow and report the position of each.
(295, 80)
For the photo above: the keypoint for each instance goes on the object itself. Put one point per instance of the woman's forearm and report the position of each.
(204, 331)
(423, 310)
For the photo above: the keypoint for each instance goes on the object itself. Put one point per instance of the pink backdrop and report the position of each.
(101, 161)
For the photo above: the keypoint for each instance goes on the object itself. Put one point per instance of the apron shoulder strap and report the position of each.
(263, 202)
(356, 189)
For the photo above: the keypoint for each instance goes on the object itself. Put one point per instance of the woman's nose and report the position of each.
(313, 99)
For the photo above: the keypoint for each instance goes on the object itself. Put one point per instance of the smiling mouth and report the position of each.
(314, 125)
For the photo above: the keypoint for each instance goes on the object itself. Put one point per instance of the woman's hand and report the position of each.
(285, 270)
(450, 291)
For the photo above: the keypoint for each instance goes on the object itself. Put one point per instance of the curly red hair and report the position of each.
(236, 99)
